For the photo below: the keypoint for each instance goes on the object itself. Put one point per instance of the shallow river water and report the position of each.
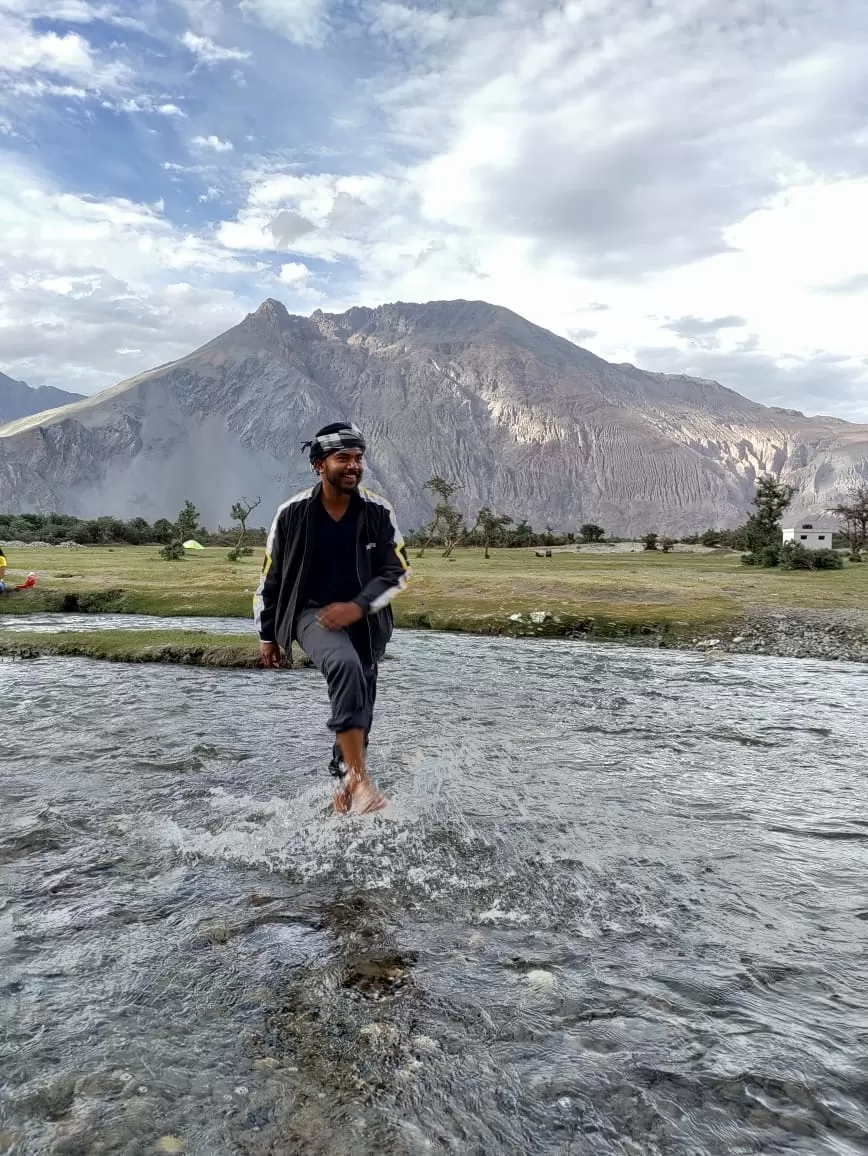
(618, 905)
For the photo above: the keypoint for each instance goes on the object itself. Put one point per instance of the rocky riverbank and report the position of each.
(837, 635)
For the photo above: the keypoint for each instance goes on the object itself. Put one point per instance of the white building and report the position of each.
(811, 535)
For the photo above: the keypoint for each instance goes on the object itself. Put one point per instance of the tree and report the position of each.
(771, 500)
(490, 526)
(523, 534)
(649, 542)
(591, 532)
(447, 523)
(188, 521)
(853, 513)
(241, 511)
(710, 538)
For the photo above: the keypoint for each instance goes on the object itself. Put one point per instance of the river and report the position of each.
(618, 905)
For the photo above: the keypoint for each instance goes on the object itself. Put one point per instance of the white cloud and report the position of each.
(36, 64)
(294, 273)
(209, 52)
(69, 55)
(143, 103)
(681, 162)
(304, 22)
(81, 278)
(416, 27)
(212, 142)
(68, 11)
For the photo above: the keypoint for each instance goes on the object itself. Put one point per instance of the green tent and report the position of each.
(192, 544)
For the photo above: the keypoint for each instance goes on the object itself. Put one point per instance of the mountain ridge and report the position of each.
(522, 419)
(18, 399)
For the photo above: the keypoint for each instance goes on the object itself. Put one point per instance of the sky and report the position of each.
(681, 184)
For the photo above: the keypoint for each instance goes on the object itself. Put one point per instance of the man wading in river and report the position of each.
(334, 561)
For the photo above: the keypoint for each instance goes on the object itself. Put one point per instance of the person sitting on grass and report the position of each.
(2, 570)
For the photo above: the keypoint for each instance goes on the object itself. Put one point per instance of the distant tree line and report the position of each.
(107, 531)
(448, 528)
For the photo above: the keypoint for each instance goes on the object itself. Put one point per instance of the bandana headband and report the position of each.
(348, 437)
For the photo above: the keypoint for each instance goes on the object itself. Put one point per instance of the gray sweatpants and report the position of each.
(350, 673)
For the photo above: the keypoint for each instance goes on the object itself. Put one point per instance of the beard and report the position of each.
(344, 480)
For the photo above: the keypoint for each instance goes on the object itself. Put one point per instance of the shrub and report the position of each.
(239, 552)
(649, 542)
(794, 556)
(766, 557)
(172, 552)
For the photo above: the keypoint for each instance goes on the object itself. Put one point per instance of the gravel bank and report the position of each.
(830, 634)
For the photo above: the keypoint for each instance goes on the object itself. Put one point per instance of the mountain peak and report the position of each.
(272, 312)
(524, 421)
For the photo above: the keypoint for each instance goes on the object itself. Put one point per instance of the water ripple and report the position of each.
(617, 906)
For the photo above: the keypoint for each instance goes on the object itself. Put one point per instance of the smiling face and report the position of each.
(343, 470)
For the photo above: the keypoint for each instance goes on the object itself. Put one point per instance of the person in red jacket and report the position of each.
(334, 561)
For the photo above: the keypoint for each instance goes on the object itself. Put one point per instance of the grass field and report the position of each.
(617, 592)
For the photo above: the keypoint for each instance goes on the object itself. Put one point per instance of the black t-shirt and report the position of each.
(333, 574)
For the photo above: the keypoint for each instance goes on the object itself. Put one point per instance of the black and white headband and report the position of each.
(346, 437)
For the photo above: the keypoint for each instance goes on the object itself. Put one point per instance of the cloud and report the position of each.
(577, 336)
(648, 158)
(143, 103)
(209, 52)
(304, 22)
(836, 385)
(415, 27)
(849, 286)
(288, 226)
(82, 277)
(294, 273)
(702, 327)
(69, 56)
(647, 172)
(69, 12)
(212, 142)
(703, 332)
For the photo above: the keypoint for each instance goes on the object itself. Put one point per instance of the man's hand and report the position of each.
(339, 615)
(270, 652)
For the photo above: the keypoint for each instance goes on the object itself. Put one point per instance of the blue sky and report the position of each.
(680, 184)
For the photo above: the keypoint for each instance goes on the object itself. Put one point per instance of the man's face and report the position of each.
(343, 470)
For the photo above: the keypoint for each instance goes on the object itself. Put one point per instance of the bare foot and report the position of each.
(343, 800)
(364, 796)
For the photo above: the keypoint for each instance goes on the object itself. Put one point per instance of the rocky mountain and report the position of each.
(20, 400)
(525, 421)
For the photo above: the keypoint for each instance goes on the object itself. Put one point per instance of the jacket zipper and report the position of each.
(362, 523)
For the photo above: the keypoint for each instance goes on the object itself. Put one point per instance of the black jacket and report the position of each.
(381, 561)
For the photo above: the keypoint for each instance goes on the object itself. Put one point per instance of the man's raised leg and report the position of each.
(333, 653)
